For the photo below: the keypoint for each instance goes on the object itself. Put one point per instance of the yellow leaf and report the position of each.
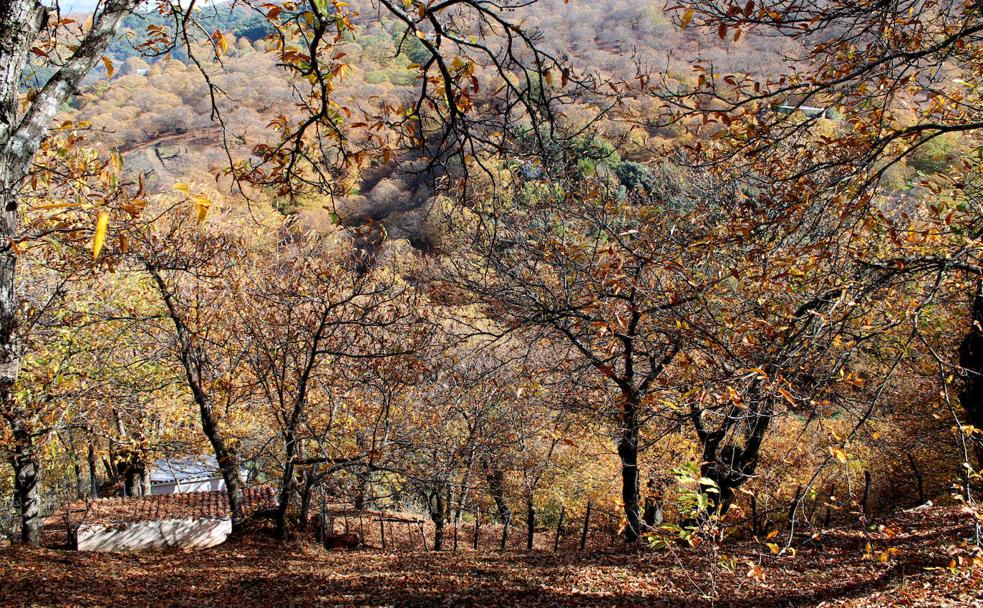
(687, 16)
(102, 225)
(839, 454)
(774, 548)
(182, 187)
(202, 203)
(110, 69)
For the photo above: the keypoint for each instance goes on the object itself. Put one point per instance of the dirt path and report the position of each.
(210, 135)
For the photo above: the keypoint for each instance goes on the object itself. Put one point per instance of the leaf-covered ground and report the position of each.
(844, 568)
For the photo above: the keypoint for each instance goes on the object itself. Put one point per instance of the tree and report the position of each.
(308, 314)
(198, 275)
(24, 31)
(614, 278)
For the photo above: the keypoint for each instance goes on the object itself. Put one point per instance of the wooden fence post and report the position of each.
(530, 524)
(559, 529)
(863, 501)
(583, 534)
(755, 527)
(829, 506)
(477, 525)
(423, 535)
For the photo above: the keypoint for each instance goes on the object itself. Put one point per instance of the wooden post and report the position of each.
(583, 534)
(423, 535)
(755, 528)
(382, 531)
(829, 506)
(559, 529)
(324, 522)
(863, 501)
(918, 478)
(477, 524)
(530, 524)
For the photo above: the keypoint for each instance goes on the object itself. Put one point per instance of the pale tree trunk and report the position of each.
(20, 138)
(27, 480)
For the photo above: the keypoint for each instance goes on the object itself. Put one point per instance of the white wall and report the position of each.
(183, 533)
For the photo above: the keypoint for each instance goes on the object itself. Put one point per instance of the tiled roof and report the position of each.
(189, 505)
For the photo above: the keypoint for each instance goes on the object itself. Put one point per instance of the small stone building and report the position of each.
(188, 520)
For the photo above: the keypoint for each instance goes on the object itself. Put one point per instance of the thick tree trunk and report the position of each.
(133, 480)
(438, 515)
(496, 487)
(132, 469)
(286, 483)
(27, 480)
(729, 466)
(653, 509)
(628, 452)
(971, 362)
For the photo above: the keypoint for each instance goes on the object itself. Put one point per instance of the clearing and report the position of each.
(907, 561)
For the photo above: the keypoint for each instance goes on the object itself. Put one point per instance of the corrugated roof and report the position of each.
(189, 505)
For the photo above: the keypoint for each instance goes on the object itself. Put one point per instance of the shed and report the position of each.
(190, 520)
(189, 474)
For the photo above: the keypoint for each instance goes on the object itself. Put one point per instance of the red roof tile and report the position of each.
(188, 505)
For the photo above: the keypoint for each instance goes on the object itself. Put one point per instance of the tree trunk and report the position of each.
(133, 470)
(286, 484)
(93, 475)
(628, 452)
(438, 515)
(228, 459)
(228, 463)
(496, 479)
(530, 522)
(305, 498)
(971, 362)
(27, 480)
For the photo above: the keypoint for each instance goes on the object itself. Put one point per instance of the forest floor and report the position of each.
(842, 568)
